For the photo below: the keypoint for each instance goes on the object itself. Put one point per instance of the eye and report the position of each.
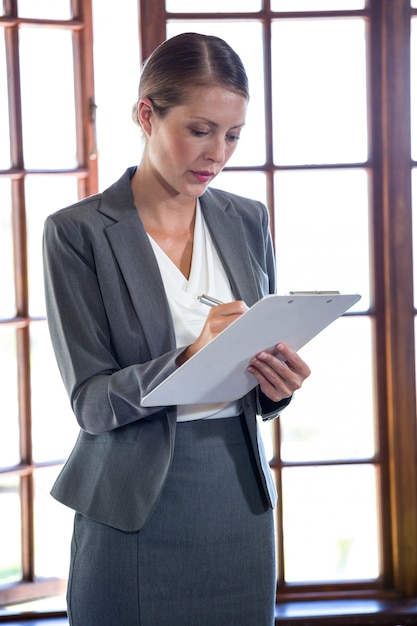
(232, 138)
(198, 133)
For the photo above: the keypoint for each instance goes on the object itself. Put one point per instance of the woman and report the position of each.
(174, 522)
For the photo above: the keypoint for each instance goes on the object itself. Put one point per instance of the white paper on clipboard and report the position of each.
(217, 373)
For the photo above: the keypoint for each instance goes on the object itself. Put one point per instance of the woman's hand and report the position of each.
(218, 318)
(278, 378)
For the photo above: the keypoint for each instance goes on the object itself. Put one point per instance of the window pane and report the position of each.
(321, 230)
(4, 109)
(9, 432)
(330, 523)
(333, 417)
(44, 195)
(316, 5)
(47, 98)
(48, 9)
(51, 411)
(319, 91)
(53, 528)
(215, 6)
(116, 77)
(7, 300)
(10, 550)
(248, 184)
(414, 88)
(251, 149)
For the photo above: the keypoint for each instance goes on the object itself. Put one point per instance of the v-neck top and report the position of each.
(207, 276)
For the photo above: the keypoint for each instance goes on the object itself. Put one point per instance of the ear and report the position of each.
(145, 113)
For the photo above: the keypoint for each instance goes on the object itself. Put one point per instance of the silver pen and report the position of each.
(208, 300)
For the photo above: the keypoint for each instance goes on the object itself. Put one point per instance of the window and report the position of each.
(327, 146)
(47, 160)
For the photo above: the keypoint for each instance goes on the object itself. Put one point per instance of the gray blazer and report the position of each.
(114, 340)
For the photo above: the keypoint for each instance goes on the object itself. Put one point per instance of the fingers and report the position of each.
(279, 374)
(236, 307)
(221, 316)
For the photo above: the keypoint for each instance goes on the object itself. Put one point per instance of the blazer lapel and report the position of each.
(228, 235)
(138, 265)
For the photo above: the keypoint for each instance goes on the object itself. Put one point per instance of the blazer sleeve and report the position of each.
(103, 394)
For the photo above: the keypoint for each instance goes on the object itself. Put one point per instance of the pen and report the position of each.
(208, 300)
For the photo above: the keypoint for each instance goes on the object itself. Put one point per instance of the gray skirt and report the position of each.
(206, 556)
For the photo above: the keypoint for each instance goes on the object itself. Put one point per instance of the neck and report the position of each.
(157, 206)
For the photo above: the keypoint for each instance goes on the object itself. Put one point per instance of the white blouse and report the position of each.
(207, 276)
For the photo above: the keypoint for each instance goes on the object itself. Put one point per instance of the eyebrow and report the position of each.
(215, 124)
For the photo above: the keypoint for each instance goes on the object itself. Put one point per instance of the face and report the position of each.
(188, 147)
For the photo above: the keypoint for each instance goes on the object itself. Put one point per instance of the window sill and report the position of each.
(309, 613)
(399, 612)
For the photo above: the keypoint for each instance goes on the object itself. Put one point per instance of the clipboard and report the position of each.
(217, 373)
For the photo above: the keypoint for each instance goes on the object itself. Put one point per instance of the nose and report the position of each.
(216, 150)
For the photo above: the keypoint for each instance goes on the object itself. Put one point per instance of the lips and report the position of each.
(203, 177)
